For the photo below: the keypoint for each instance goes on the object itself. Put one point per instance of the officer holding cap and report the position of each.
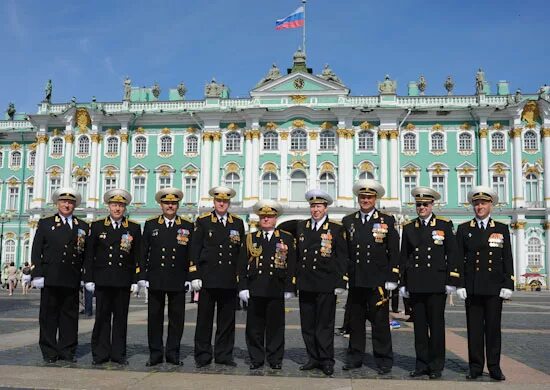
(112, 259)
(57, 256)
(321, 273)
(163, 270)
(218, 243)
(484, 244)
(429, 271)
(266, 277)
(373, 246)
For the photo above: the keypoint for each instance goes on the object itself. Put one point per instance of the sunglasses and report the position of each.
(423, 204)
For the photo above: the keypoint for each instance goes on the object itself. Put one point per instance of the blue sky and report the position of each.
(88, 47)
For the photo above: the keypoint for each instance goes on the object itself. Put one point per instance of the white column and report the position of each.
(546, 263)
(348, 174)
(383, 152)
(40, 170)
(124, 157)
(206, 161)
(518, 199)
(342, 162)
(68, 153)
(247, 168)
(312, 149)
(483, 164)
(546, 139)
(284, 183)
(394, 168)
(216, 144)
(92, 200)
(255, 164)
(521, 261)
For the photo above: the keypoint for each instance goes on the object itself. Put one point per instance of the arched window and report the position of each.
(83, 145)
(531, 188)
(57, 146)
(530, 140)
(233, 180)
(15, 160)
(366, 141)
(437, 142)
(32, 158)
(271, 141)
(192, 144)
(166, 144)
(233, 142)
(327, 140)
(499, 185)
(409, 182)
(366, 175)
(190, 193)
(270, 183)
(81, 185)
(409, 142)
(112, 145)
(298, 140)
(465, 142)
(534, 255)
(9, 254)
(26, 251)
(328, 184)
(298, 186)
(140, 145)
(497, 142)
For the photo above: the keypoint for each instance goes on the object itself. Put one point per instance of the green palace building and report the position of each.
(296, 131)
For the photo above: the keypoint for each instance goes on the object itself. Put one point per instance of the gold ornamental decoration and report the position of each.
(284, 135)
(15, 146)
(81, 172)
(437, 127)
(516, 132)
(216, 136)
(255, 134)
(166, 130)
(139, 172)
(394, 134)
(69, 138)
(545, 131)
(383, 134)
(232, 168)
(499, 169)
(56, 132)
(410, 126)
(483, 132)
(13, 181)
(83, 120)
(327, 167)
(140, 130)
(497, 126)
(298, 99)
(438, 169)
(326, 125)
(271, 126)
(366, 125)
(111, 131)
(270, 167)
(298, 165)
(546, 226)
(191, 130)
(95, 138)
(313, 135)
(110, 172)
(164, 171)
(41, 138)
(530, 112)
(465, 126)
(298, 123)
(54, 172)
(32, 146)
(233, 126)
(248, 135)
(366, 167)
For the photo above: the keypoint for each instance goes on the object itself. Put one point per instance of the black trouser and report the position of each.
(58, 312)
(395, 301)
(111, 307)
(265, 329)
(347, 314)
(155, 324)
(225, 325)
(317, 312)
(483, 315)
(88, 303)
(429, 330)
(363, 307)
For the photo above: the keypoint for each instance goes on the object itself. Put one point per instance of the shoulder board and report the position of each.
(286, 231)
(204, 215)
(186, 219)
(385, 215)
(352, 215)
(235, 216)
(153, 218)
(335, 222)
(442, 218)
(408, 222)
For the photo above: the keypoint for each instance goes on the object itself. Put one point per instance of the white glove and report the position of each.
(461, 292)
(390, 286)
(505, 293)
(142, 283)
(188, 286)
(90, 286)
(403, 292)
(134, 288)
(289, 295)
(38, 282)
(450, 289)
(244, 295)
(196, 284)
(339, 291)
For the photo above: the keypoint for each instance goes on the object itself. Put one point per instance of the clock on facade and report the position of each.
(299, 83)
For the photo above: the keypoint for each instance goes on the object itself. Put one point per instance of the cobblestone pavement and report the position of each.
(525, 347)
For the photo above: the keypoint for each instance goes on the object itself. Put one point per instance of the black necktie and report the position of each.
(481, 225)
(117, 225)
(314, 225)
(425, 222)
(170, 224)
(266, 236)
(222, 221)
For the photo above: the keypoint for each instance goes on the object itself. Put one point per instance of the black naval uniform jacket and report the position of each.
(487, 257)
(58, 251)
(321, 257)
(112, 256)
(216, 250)
(164, 260)
(373, 250)
(429, 257)
(265, 269)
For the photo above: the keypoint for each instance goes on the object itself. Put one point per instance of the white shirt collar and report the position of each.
(113, 222)
(426, 220)
(167, 221)
(320, 222)
(220, 216)
(485, 221)
(367, 215)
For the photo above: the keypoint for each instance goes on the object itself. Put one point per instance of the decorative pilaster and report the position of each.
(383, 152)
(247, 167)
(284, 183)
(255, 164)
(520, 260)
(343, 168)
(545, 132)
(124, 157)
(518, 199)
(484, 166)
(206, 160)
(216, 152)
(93, 198)
(40, 169)
(394, 168)
(312, 149)
(68, 153)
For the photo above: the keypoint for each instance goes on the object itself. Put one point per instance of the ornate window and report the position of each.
(9, 254)
(112, 146)
(28, 198)
(138, 189)
(497, 142)
(298, 140)
(15, 159)
(409, 142)
(465, 184)
(298, 186)
(437, 142)
(140, 145)
(271, 140)
(327, 183)
(83, 145)
(110, 183)
(165, 182)
(531, 189)
(366, 141)
(55, 184)
(233, 142)
(191, 189)
(192, 144)
(165, 145)
(366, 175)
(534, 253)
(465, 142)
(32, 158)
(233, 180)
(57, 147)
(13, 198)
(327, 140)
(499, 185)
(81, 185)
(270, 184)
(409, 182)
(530, 141)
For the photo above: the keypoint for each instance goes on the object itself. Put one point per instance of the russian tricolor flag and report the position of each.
(294, 20)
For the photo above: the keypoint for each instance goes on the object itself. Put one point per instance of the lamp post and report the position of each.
(4, 217)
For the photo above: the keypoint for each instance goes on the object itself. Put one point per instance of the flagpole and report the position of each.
(304, 28)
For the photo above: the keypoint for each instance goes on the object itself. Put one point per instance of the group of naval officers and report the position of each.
(316, 262)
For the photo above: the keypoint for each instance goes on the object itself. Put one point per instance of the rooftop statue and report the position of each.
(387, 86)
(421, 84)
(181, 90)
(299, 56)
(273, 74)
(11, 111)
(449, 85)
(544, 91)
(213, 89)
(127, 88)
(518, 97)
(224, 94)
(73, 101)
(480, 81)
(48, 92)
(155, 89)
(329, 75)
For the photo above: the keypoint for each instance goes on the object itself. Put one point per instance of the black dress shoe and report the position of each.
(202, 364)
(229, 363)
(309, 366)
(255, 365)
(350, 366)
(174, 362)
(417, 373)
(276, 366)
(435, 375)
(122, 362)
(498, 376)
(327, 370)
(98, 362)
(383, 370)
(50, 360)
(472, 376)
(151, 363)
